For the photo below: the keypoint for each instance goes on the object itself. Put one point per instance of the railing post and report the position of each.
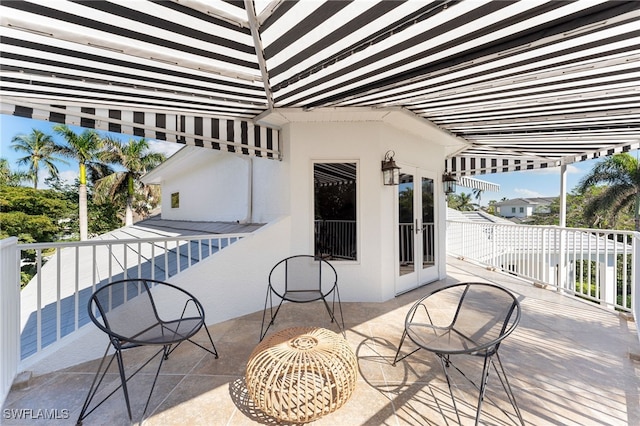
(10, 317)
(635, 274)
(607, 280)
(562, 266)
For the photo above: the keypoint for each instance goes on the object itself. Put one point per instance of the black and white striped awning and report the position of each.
(226, 134)
(528, 84)
(469, 182)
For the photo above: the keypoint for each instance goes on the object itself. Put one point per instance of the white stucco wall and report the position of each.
(372, 276)
(203, 183)
(226, 187)
(216, 186)
(219, 186)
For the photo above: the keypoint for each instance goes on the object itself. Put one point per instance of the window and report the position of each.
(335, 216)
(521, 209)
(513, 209)
(175, 200)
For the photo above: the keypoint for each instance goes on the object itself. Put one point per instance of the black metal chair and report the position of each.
(302, 279)
(465, 319)
(141, 312)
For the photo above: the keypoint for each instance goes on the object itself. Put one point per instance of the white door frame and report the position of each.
(409, 280)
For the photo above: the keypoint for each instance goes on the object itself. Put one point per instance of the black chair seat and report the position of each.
(302, 279)
(465, 319)
(142, 312)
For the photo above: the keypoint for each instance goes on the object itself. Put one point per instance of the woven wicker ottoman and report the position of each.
(300, 374)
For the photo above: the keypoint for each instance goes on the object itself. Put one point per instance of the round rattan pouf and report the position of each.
(300, 374)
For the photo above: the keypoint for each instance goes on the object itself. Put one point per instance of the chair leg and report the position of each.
(337, 293)
(501, 373)
(264, 314)
(332, 316)
(444, 361)
(396, 359)
(273, 317)
(123, 379)
(483, 385)
(95, 384)
(507, 387)
(165, 354)
(215, 351)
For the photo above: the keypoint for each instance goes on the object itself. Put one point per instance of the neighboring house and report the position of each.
(524, 207)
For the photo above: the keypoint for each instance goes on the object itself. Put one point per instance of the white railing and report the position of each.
(597, 265)
(9, 315)
(336, 238)
(406, 241)
(54, 302)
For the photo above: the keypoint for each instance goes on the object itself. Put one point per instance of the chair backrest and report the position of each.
(307, 275)
(486, 314)
(133, 310)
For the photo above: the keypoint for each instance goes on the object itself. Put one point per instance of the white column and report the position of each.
(10, 318)
(562, 246)
(563, 196)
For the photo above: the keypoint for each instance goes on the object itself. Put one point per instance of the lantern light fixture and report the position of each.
(449, 183)
(390, 170)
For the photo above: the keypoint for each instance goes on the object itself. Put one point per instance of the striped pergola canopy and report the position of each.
(527, 84)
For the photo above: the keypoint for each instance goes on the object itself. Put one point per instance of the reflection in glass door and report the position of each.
(416, 231)
(428, 224)
(406, 224)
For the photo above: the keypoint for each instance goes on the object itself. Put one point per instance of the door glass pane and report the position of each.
(335, 210)
(405, 219)
(428, 224)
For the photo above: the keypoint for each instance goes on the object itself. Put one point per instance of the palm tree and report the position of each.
(465, 204)
(477, 193)
(621, 178)
(87, 149)
(41, 150)
(136, 159)
(11, 177)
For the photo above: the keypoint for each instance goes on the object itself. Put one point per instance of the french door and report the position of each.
(416, 233)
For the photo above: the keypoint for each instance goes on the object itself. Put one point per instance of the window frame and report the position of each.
(174, 200)
(358, 215)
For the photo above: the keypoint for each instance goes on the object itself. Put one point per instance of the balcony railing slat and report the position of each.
(60, 296)
(589, 263)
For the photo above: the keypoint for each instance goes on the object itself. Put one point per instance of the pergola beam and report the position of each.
(257, 41)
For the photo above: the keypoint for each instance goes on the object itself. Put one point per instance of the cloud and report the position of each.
(166, 148)
(571, 169)
(66, 177)
(527, 193)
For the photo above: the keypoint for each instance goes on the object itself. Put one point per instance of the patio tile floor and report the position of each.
(568, 362)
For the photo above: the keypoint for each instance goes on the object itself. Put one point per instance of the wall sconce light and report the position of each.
(390, 171)
(449, 183)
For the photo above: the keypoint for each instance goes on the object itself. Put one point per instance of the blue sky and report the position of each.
(522, 184)
(11, 126)
(531, 183)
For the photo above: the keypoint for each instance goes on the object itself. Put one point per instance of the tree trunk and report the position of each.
(637, 212)
(82, 203)
(128, 211)
(82, 211)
